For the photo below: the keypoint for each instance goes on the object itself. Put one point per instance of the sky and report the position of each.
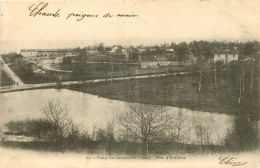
(158, 21)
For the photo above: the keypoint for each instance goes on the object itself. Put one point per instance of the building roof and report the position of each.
(46, 50)
(225, 51)
(92, 51)
(148, 58)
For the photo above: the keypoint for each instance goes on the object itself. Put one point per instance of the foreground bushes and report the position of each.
(33, 128)
(123, 148)
(42, 132)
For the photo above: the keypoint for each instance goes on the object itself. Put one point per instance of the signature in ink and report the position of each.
(230, 161)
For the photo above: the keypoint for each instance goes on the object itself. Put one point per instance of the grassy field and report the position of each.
(175, 91)
(5, 80)
(104, 70)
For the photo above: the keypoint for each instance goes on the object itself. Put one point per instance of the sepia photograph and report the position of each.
(127, 83)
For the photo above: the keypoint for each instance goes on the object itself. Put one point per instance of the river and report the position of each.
(91, 110)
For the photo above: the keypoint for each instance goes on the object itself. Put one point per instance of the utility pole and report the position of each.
(112, 73)
(147, 151)
(9, 82)
(215, 75)
(131, 56)
(239, 99)
(243, 74)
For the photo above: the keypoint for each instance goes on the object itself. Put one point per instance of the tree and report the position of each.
(67, 60)
(203, 133)
(243, 134)
(181, 50)
(53, 57)
(199, 69)
(251, 47)
(80, 69)
(58, 116)
(180, 127)
(3, 137)
(134, 54)
(145, 122)
(101, 48)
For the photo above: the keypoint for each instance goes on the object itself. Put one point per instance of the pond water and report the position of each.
(91, 110)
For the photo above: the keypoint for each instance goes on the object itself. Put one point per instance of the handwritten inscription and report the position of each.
(230, 161)
(41, 9)
(81, 16)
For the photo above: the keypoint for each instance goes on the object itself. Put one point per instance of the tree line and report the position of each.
(181, 49)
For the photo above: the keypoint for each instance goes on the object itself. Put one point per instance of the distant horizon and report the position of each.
(82, 44)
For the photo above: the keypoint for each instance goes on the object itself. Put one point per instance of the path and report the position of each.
(13, 76)
(46, 67)
(119, 63)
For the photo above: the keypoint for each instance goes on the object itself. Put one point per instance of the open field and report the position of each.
(175, 91)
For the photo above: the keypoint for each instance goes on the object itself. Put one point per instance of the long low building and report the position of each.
(48, 52)
(153, 62)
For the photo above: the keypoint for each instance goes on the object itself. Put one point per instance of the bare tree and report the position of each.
(110, 131)
(215, 75)
(145, 122)
(199, 68)
(104, 133)
(94, 132)
(203, 133)
(181, 127)
(252, 74)
(3, 137)
(101, 135)
(59, 117)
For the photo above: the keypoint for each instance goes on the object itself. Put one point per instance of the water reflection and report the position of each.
(90, 110)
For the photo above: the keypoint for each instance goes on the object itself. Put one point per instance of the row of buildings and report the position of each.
(28, 53)
(225, 55)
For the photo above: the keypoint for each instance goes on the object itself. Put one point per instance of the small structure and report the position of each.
(91, 52)
(141, 50)
(170, 50)
(118, 54)
(117, 50)
(225, 55)
(250, 58)
(36, 69)
(149, 61)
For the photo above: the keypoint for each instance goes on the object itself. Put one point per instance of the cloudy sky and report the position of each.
(158, 21)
